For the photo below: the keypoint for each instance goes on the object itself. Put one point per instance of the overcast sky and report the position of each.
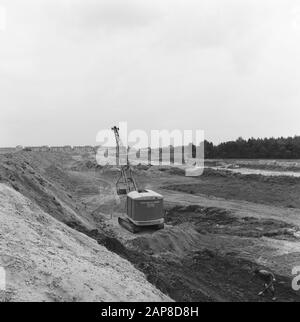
(69, 68)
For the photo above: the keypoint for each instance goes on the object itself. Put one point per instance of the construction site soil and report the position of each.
(219, 227)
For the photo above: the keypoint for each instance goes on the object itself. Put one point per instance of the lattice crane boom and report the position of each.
(126, 182)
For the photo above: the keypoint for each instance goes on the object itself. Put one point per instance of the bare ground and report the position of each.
(47, 261)
(219, 226)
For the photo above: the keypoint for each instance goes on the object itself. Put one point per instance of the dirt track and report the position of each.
(213, 238)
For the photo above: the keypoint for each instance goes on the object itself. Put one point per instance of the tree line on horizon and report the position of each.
(267, 148)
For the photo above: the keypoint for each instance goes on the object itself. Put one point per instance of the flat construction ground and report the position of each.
(219, 227)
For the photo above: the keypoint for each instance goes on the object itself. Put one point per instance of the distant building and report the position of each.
(7, 150)
(56, 148)
(66, 148)
(85, 148)
(35, 148)
(45, 148)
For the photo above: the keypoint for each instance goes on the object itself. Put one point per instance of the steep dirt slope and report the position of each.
(47, 261)
(210, 245)
(30, 174)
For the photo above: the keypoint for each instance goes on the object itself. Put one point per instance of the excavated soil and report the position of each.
(209, 247)
(279, 191)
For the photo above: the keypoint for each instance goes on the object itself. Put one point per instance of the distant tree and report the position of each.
(267, 148)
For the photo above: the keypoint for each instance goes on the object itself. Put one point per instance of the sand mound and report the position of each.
(175, 240)
(48, 261)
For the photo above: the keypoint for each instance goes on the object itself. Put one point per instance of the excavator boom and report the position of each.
(126, 182)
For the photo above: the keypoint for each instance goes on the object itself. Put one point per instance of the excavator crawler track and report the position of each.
(128, 225)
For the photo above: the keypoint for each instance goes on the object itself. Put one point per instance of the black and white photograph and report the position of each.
(149, 154)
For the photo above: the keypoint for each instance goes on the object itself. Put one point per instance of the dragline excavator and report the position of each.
(144, 208)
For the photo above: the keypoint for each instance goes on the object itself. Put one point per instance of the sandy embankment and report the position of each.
(47, 261)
